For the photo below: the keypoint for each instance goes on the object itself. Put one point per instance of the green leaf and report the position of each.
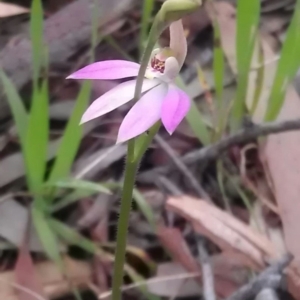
(35, 148)
(36, 36)
(46, 235)
(195, 119)
(140, 201)
(16, 106)
(72, 237)
(219, 69)
(73, 183)
(259, 80)
(72, 198)
(287, 67)
(71, 138)
(144, 207)
(248, 13)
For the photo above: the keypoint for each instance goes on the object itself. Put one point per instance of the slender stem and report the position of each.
(147, 141)
(131, 167)
(130, 173)
(154, 33)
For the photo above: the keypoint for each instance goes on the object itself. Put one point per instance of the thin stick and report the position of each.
(207, 272)
(153, 280)
(182, 167)
(212, 152)
(271, 277)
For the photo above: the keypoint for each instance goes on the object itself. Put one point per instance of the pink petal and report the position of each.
(171, 69)
(174, 108)
(108, 69)
(145, 113)
(114, 98)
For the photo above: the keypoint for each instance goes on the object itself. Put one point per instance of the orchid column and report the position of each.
(161, 102)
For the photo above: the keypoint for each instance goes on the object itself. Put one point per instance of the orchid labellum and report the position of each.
(161, 99)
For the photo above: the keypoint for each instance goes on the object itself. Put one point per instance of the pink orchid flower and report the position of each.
(161, 98)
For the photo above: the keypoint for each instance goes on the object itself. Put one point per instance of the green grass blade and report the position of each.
(195, 119)
(148, 6)
(140, 201)
(287, 68)
(16, 106)
(79, 184)
(35, 148)
(218, 66)
(71, 138)
(72, 237)
(46, 235)
(144, 207)
(248, 13)
(71, 198)
(36, 36)
(259, 80)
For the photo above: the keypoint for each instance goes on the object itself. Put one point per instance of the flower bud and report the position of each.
(173, 10)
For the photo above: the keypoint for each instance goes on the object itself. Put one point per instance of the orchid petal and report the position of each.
(178, 41)
(171, 68)
(114, 98)
(174, 108)
(108, 69)
(170, 73)
(144, 114)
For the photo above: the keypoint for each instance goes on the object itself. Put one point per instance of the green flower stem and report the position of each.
(147, 141)
(131, 168)
(126, 201)
(156, 29)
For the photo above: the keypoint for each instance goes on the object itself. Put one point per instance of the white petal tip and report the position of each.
(82, 121)
(119, 141)
(170, 132)
(70, 77)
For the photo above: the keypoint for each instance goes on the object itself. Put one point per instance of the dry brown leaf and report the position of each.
(55, 284)
(281, 151)
(9, 10)
(172, 279)
(223, 229)
(175, 244)
(26, 276)
(274, 233)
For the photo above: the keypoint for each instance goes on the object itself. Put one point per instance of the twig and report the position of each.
(207, 273)
(96, 162)
(212, 152)
(172, 188)
(153, 280)
(270, 278)
(182, 167)
(169, 185)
